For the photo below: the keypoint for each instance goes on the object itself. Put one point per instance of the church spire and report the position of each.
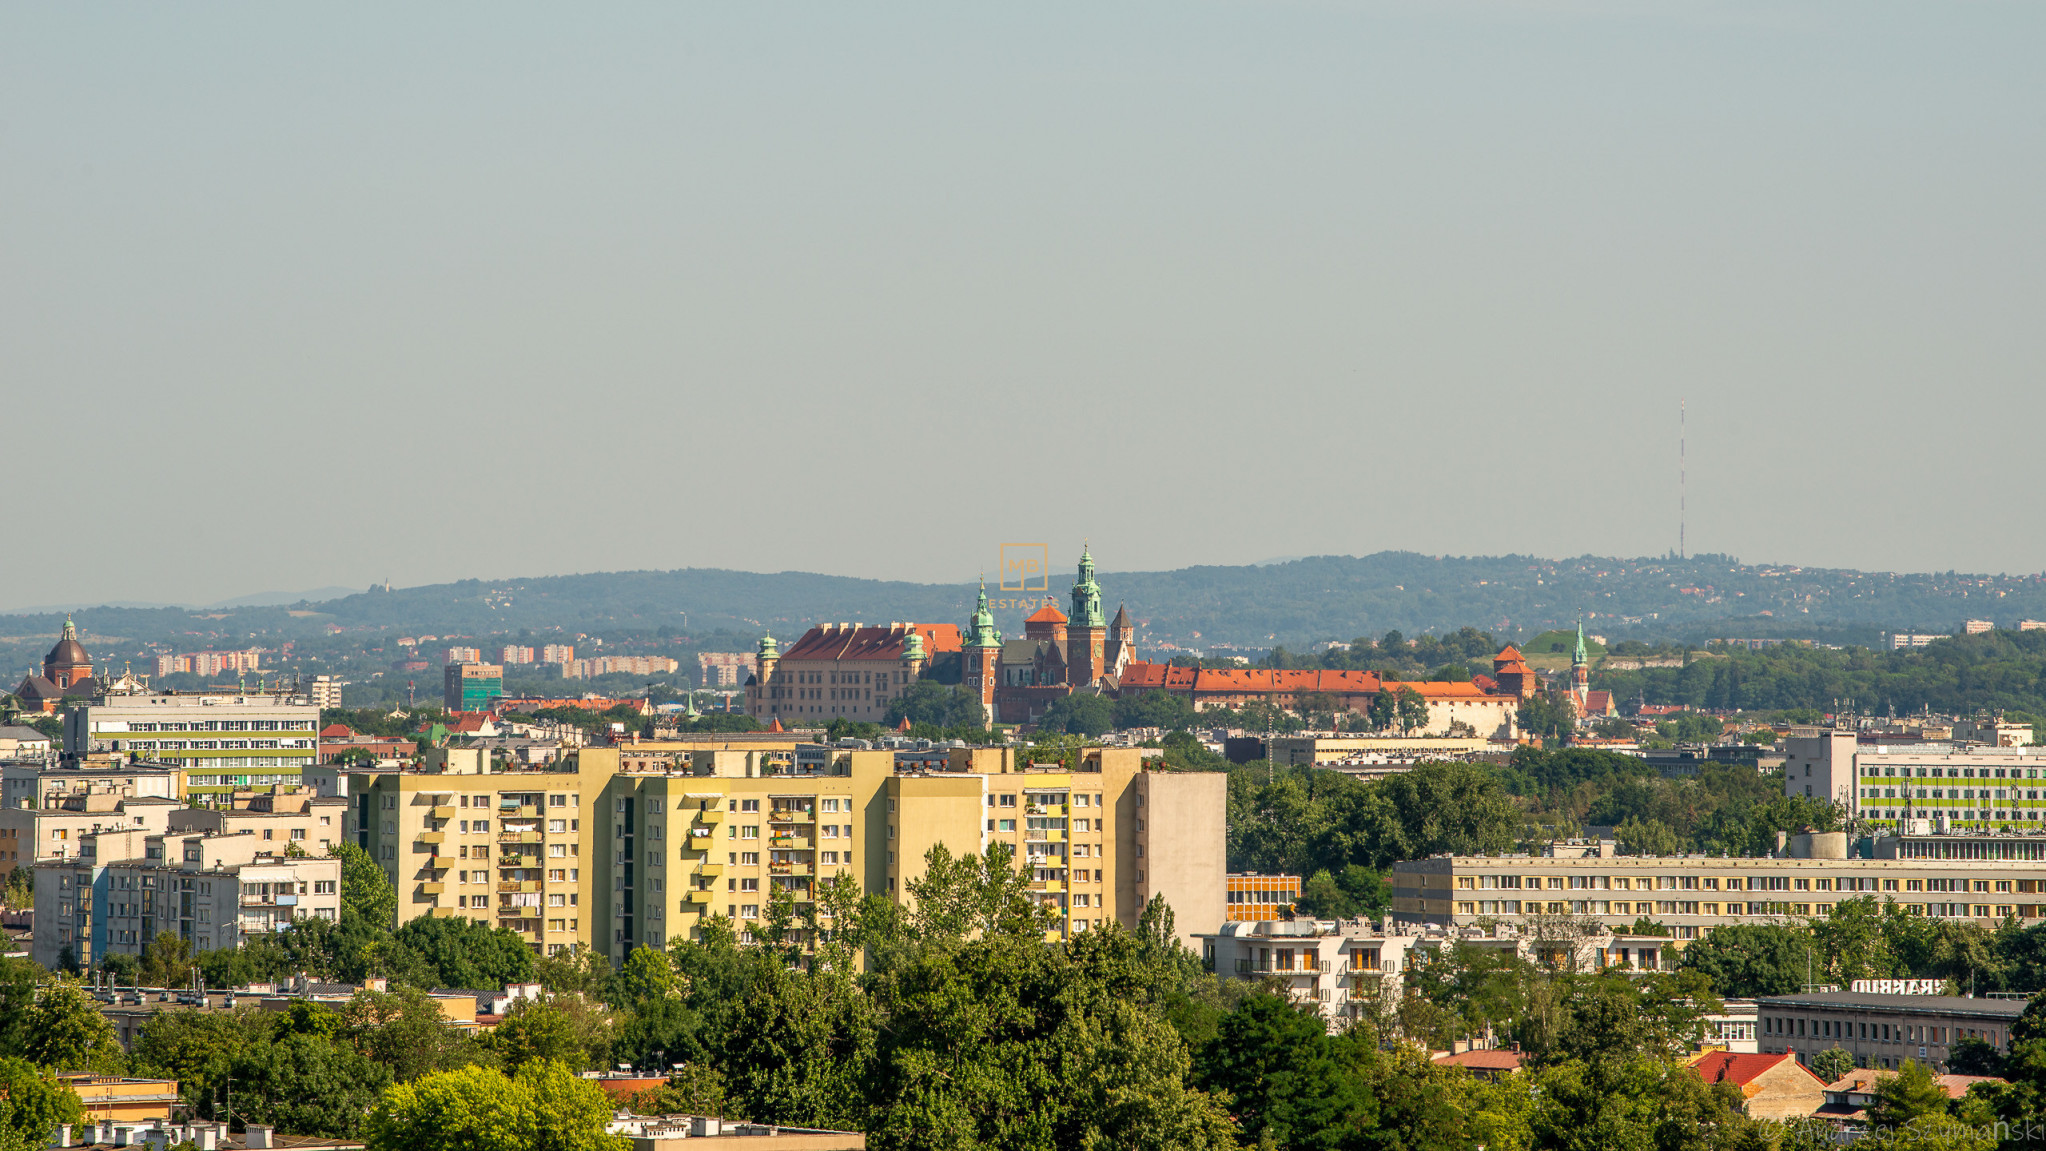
(1579, 658)
(1086, 611)
(982, 631)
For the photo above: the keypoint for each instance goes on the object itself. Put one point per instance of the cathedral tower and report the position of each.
(1086, 629)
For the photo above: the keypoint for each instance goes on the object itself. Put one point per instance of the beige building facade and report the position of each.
(1690, 895)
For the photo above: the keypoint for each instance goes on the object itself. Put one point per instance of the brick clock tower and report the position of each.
(1086, 629)
(983, 662)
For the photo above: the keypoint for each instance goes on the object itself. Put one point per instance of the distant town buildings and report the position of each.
(619, 665)
(323, 691)
(460, 654)
(513, 654)
(722, 668)
(211, 663)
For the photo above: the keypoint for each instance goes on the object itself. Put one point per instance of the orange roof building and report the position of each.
(1772, 1086)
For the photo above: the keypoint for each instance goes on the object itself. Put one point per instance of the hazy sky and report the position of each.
(295, 296)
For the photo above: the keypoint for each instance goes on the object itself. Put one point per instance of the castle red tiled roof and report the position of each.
(1270, 680)
(337, 731)
(843, 642)
(1047, 614)
(1509, 654)
(1157, 676)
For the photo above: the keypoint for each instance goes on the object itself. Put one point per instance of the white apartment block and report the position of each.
(1918, 788)
(222, 742)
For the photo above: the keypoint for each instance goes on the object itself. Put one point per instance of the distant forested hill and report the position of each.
(1296, 604)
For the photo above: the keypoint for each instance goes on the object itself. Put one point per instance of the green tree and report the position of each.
(32, 1106)
(66, 1032)
(1358, 891)
(1081, 713)
(974, 894)
(167, 961)
(1832, 1064)
(405, 1030)
(1971, 1055)
(306, 1085)
(20, 892)
(1411, 710)
(1912, 1093)
(19, 979)
(648, 974)
(196, 1048)
(463, 953)
(366, 892)
(545, 1107)
(1277, 1062)
(577, 970)
(564, 1029)
(1645, 837)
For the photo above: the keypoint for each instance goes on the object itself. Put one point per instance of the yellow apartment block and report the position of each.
(636, 843)
(715, 832)
(501, 844)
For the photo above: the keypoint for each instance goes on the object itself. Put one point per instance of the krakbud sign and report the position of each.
(1900, 986)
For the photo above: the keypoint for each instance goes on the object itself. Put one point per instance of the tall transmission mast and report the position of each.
(1683, 485)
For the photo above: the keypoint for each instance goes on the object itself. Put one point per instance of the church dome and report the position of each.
(68, 652)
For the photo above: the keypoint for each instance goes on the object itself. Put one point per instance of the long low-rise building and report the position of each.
(1691, 894)
(1881, 1030)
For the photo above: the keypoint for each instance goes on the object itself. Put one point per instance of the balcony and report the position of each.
(518, 885)
(701, 897)
(442, 912)
(711, 815)
(792, 817)
(790, 869)
(269, 900)
(795, 841)
(1046, 809)
(443, 811)
(526, 811)
(1048, 885)
(432, 888)
(711, 870)
(1044, 836)
(518, 837)
(435, 837)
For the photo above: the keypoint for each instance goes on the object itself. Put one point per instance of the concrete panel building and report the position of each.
(214, 891)
(221, 742)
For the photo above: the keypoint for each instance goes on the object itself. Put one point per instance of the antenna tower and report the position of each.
(1683, 485)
